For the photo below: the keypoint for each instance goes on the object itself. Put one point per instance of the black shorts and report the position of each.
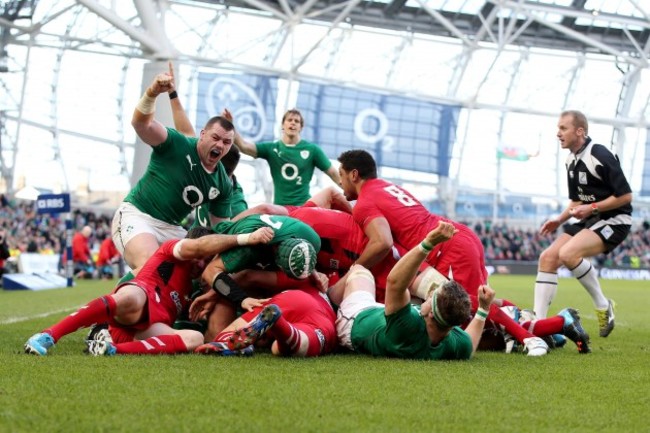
(612, 231)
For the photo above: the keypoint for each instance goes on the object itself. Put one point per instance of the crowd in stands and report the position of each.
(26, 231)
(502, 242)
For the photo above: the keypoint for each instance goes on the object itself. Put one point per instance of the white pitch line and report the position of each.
(36, 316)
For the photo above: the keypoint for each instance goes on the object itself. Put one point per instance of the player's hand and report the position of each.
(320, 280)
(485, 296)
(443, 232)
(203, 305)
(163, 83)
(581, 211)
(227, 115)
(263, 235)
(549, 227)
(173, 77)
(249, 303)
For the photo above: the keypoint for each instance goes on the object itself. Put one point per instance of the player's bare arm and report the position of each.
(149, 129)
(585, 210)
(380, 242)
(181, 122)
(213, 244)
(333, 173)
(551, 225)
(245, 146)
(475, 328)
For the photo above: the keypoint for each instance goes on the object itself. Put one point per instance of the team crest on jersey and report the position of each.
(321, 338)
(213, 193)
(177, 301)
(334, 264)
(304, 154)
(582, 177)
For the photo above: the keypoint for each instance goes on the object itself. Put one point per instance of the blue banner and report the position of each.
(400, 132)
(53, 203)
(250, 98)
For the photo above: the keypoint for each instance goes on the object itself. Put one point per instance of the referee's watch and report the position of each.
(594, 209)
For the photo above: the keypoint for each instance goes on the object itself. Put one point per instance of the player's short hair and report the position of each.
(579, 119)
(452, 304)
(230, 160)
(296, 257)
(359, 160)
(222, 121)
(198, 232)
(297, 113)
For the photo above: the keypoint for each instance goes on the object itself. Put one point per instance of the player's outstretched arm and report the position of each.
(148, 129)
(188, 249)
(245, 146)
(404, 271)
(181, 122)
(475, 328)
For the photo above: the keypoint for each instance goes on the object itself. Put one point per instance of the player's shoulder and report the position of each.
(600, 150)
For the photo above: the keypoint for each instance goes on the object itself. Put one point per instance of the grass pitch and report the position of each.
(67, 391)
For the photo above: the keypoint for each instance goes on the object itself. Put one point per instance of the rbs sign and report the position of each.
(53, 203)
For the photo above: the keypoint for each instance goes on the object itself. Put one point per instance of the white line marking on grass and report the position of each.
(36, 316)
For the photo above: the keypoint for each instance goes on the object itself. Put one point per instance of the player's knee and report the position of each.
(129, 301)
(549, 259)
(191, 338)
(569, 257)
(360, 277)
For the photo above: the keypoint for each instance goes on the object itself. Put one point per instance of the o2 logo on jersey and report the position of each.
(249, 118)
(192, 196)
(290, 172)
(400, 195)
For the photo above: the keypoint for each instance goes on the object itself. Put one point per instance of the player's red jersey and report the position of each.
(308, 310)
(342, 242)
(167, 281)
(410, 222)
(341, 239)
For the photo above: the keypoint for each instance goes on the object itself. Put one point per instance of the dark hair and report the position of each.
(359, 160)
(453, 303)
(296, 112)
(225, 123)
(198, 232)
(230, 160)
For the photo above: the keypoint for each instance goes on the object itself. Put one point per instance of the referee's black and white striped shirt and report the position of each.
(594, 173)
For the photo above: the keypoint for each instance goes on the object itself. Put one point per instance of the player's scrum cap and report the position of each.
(296, 257)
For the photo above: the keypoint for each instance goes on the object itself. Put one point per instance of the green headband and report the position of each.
(436, 312)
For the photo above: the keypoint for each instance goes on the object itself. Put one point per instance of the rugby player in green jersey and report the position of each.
(291, 160)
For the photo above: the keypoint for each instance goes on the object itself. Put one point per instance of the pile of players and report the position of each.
(307, 276)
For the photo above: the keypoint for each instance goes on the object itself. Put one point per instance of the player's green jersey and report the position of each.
(404, 335)
(284, 227)
(238, 204)
(175, 182)
(292, 168)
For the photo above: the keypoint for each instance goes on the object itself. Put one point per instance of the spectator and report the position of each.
(83, 262)
(108, 256)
